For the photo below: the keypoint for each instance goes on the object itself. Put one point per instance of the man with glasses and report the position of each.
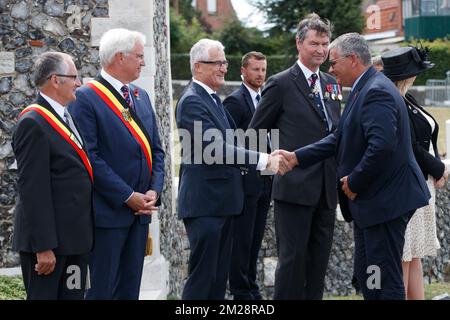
(211, 190)
(119, 125)
(54, 219)
(381, 184)
(298, 102)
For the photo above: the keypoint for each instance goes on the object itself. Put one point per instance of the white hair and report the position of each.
(200, 51)
(118, 40)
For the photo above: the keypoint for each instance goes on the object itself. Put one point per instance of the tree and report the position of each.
(183, 34)
(345, 15)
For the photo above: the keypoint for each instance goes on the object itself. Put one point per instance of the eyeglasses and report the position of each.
(217, 63)
(333, 62)
(72, 76)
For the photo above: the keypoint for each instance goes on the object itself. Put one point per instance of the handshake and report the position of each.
(281, 162)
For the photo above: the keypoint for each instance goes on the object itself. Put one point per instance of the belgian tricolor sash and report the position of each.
(63, 131)
(124, 115)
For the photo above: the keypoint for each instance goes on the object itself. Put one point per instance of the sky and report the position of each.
(249, 15)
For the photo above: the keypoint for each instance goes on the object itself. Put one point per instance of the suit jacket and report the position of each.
(209, 189)
(421, 138)
(373, 148)
(54, 210)
(241, 108)
(286, 105)
(118, 162)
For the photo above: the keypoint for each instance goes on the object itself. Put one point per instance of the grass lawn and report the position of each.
(11, 288)
(431, 290)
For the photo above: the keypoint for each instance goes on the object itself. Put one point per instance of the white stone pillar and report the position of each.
(138, 15)
(447, 138)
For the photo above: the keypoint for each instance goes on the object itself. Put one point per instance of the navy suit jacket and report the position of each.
(118, 162)
(209, 189)
(240, 106)
(54, 210)
(373, 148)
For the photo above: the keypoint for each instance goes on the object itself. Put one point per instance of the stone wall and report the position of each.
(29, 28)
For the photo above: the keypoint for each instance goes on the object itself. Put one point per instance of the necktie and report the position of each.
(258, 97)
(68, 119)
(220, 107)
(317, 100)
(126, 94)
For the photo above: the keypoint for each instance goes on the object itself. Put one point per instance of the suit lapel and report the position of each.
(213, 108)
(302, 84)
(327, 102)
(248, 98)
(44, 103)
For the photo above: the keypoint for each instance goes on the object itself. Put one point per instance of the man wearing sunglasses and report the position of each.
(54, 223)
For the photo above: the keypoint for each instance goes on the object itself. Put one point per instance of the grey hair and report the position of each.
(313, 22)
(355, 43)
(118, 40)
(47, 64)
(200, 51)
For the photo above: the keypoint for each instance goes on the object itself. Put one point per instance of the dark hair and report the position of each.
(252, 54)
(313, 22)
(47, 64)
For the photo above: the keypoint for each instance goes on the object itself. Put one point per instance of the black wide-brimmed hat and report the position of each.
(406, 62)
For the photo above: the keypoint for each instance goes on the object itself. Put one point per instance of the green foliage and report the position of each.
(11, 288)
(345, 15)
(183, 34)
(439, 55)
(239, 40)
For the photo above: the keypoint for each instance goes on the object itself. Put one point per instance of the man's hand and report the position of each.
(151, 205)
(281, 162)
(349, 193)
(440, 183)
(46, 262)
(141, 203)
(290, 157)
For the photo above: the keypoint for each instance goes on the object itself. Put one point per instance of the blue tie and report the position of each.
(220, 107)
(318, 101)
(126, 95)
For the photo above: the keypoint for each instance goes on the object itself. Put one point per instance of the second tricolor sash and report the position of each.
(63, 131)
(124, 115)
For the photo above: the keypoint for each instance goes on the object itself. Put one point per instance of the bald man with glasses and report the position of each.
(54, 223)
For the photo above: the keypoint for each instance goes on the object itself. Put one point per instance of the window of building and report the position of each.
(212, 6)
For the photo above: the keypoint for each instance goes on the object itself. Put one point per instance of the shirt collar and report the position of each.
(55, 105)
(113, 81)
(357, 80)
(308, 72)
(253, 93)
(204, 86)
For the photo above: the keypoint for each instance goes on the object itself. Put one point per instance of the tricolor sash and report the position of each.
(63, 131)
(124, 115)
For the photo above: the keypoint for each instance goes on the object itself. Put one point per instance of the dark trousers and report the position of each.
(117, 261)
(304, 236)
(248, 233)
(378, 257)
(210, 240)
(66, 282)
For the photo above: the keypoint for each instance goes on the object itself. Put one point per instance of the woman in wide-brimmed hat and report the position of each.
(402, 65)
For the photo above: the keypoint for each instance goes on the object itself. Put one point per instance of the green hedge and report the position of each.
(440, 56)
(181, 68)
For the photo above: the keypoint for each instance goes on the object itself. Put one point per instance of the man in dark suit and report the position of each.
(54, 226)
(250, 224)
(211, 189)
(297, 102)
(382, 184)
(119, 125)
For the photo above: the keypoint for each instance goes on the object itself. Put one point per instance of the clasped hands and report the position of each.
(281, 161)
(143, 204)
